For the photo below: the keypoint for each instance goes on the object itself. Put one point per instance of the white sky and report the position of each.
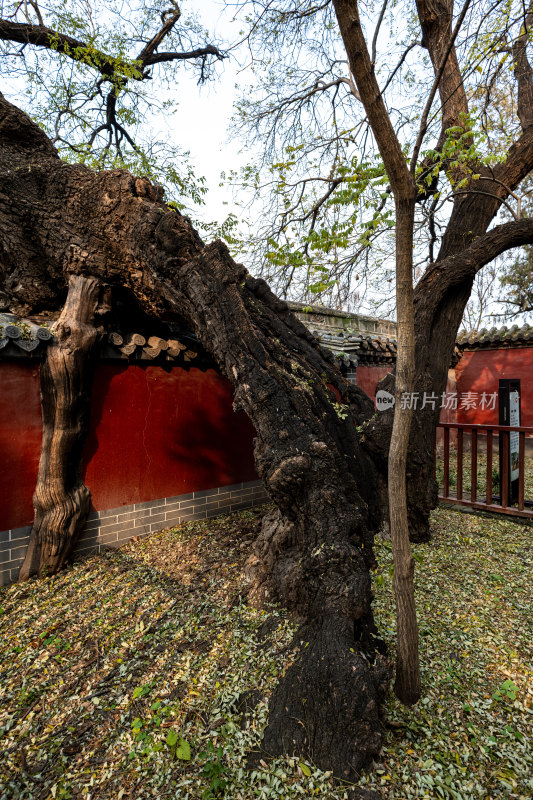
(208, 109)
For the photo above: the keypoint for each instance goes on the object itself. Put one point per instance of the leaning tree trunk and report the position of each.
(61, 500)
(315, 552)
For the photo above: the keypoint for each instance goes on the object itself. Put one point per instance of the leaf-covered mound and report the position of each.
(143, 673)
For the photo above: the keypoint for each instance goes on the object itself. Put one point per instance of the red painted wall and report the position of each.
(480, 370)
(20, 441)
(159, 434)
(369, 377)
(153, 434)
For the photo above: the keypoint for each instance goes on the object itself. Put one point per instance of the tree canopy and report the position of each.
(100, 78)
(326, 221)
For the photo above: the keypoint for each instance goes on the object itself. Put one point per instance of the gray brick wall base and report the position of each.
(113, 527)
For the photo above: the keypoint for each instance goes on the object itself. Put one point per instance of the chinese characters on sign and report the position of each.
(514, 419)
(450, 401)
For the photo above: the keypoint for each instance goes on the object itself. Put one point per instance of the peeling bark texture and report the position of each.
(61, 500)
(314, 554)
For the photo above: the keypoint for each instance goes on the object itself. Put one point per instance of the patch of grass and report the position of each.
(469, 736)
(142, 673)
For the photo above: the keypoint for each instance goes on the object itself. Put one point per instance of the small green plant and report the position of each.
(507, 692)
(137, 726)
(142, 691)
(214, 770)
(179, 748)
(340, 410)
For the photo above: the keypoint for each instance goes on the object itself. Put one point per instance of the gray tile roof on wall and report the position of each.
(353, 338)
(496, 337)
(332, 319)
(22, 337)
(354, 350)
(27, 338)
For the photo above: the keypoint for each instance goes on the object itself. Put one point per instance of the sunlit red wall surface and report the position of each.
(480, 371)
(369, 377)
(153, 434)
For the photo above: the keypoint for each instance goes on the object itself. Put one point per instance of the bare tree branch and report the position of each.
(169, 20)
(200, 52)
(376, 32)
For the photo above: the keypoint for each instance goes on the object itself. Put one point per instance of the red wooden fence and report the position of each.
(470, 498)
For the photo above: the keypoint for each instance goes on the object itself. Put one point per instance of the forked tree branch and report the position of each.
(436, 84)
(454, 270)
(107, 65)
(169, 20)
(523, 72)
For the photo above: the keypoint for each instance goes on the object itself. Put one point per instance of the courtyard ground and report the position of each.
(142, 672)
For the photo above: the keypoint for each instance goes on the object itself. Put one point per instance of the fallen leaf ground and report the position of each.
(142, 672)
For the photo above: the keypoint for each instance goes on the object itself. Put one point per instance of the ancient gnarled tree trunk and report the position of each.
(61, 499)
(315, 552)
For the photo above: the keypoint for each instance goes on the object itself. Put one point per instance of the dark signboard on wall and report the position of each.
(510, 414)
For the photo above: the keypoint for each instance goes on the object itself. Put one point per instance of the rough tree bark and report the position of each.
(61, 500)
(314, 554)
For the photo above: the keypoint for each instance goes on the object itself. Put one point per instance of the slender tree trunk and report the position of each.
(404, 189)
(61, 499)
(407, 683)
